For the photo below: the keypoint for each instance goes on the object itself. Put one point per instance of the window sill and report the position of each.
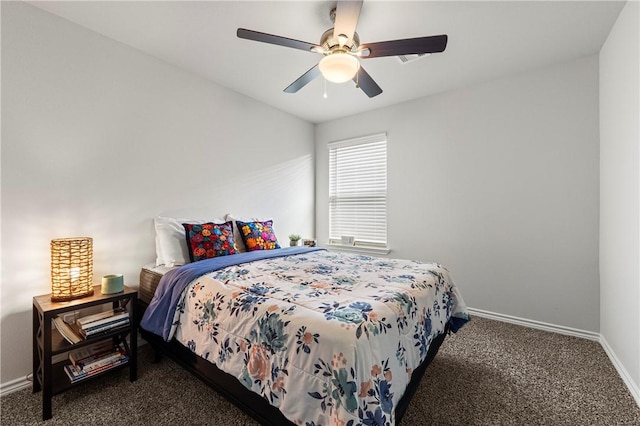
(359, 249)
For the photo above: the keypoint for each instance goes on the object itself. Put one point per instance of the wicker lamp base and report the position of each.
(76, 295)
(71, 268)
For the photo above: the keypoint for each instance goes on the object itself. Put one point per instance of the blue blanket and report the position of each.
(158, 317)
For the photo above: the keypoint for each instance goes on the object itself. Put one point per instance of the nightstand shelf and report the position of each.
(60, 345)
(49, 376)
(61, 382)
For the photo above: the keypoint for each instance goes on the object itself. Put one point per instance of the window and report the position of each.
(358, 190)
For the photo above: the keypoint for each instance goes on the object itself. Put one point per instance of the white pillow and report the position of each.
(237, 237)
(171, 243)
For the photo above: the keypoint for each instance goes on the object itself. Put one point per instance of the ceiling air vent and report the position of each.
(410, 58)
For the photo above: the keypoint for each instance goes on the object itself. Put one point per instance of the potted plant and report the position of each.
(293, 239)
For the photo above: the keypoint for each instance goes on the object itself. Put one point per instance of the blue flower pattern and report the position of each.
(251, 320)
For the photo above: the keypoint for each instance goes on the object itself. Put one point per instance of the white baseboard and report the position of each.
(634, 390)
(14, 385)
(624, 374)
(590, 335)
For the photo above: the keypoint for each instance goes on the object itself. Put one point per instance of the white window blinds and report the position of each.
(358, 190)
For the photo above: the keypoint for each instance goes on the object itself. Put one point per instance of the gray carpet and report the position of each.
(490, 373)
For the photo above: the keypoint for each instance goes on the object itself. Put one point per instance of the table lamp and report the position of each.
(71, 268)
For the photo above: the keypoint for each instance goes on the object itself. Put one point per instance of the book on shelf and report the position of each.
(104, 328)
(97, 349)
(102, 318)
(93, 363)
(66, 331)
(77, 373)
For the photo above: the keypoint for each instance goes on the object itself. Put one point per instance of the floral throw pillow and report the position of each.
(207, 240)
(258, 235)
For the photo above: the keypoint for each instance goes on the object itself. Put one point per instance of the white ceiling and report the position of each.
(487, 40)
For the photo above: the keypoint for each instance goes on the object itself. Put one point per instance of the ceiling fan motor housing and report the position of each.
(329, 43)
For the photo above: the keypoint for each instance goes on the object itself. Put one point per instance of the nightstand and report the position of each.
(49, 376)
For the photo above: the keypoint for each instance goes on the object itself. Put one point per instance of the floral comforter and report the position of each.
(328, 338)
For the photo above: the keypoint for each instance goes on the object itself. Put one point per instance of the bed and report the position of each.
(303, 335)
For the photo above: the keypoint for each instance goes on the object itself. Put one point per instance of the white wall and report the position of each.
(499, 182)
(98, 138)
(620, 191)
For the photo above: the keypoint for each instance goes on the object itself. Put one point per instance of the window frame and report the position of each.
(362, 245)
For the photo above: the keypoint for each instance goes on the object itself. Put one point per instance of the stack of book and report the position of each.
(92, 325)
(94, 359)
(103, 322)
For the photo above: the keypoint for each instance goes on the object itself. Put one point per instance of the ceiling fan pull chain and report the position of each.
(325, 88)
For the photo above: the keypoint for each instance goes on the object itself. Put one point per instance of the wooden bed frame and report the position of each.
(248, 401)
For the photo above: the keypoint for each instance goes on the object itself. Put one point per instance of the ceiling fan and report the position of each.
(341, 48)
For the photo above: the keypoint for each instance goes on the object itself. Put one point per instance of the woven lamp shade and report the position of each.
(71, 268)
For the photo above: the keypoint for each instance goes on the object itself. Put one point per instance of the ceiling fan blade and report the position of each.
(366, 83)
(274, 39)
(303, 80)
(407, 46)
(347, 14)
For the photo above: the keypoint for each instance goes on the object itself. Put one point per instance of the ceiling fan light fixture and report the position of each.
(339, 67)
